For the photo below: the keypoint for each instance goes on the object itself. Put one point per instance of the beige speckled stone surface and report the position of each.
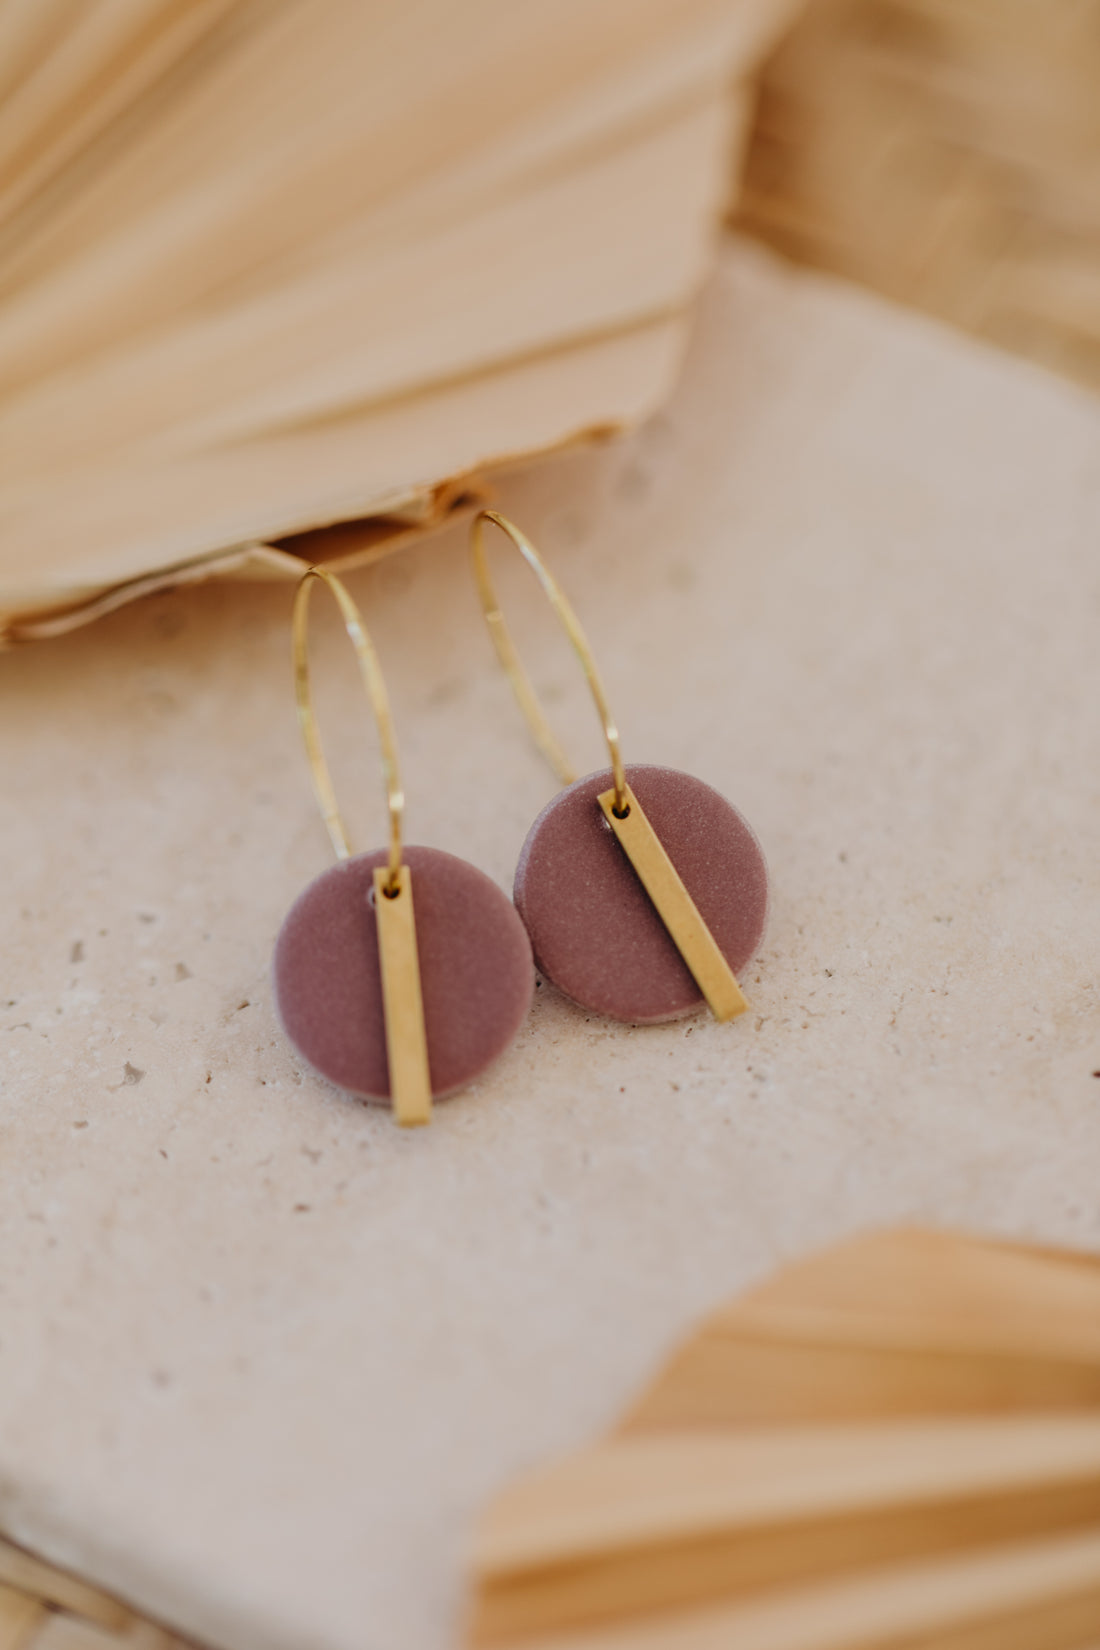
(261, 1354)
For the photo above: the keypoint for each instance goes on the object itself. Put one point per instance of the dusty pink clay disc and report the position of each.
(593, 929)
(476, 972)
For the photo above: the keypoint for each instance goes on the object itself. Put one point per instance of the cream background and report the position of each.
(261, 1354)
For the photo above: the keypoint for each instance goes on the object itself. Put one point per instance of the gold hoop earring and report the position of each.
(387, 1000)
(643, 890)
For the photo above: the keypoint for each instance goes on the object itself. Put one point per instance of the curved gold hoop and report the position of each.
(374, 683)
(545, 737)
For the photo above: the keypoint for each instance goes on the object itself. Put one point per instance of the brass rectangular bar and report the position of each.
(402, 1003)
(675, 906)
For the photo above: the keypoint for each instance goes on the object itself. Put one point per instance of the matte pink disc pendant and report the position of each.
(593, 928)
(476, 972)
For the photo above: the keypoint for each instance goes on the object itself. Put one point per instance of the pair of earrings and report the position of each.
(639, 892)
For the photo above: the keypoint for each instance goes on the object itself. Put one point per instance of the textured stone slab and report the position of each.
(263, 1354)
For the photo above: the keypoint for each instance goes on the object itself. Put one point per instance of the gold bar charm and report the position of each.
(675, 906)
(406, 1041)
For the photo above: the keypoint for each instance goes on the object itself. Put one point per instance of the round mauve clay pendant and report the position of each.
(593, 929)
(476, 972)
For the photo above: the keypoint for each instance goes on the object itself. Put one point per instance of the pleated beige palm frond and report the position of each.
(894, 1444)
(269, 266)
(947, 153)
(43, 1608)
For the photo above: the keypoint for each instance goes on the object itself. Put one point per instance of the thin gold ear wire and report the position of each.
(545, 737)
(374, 683)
